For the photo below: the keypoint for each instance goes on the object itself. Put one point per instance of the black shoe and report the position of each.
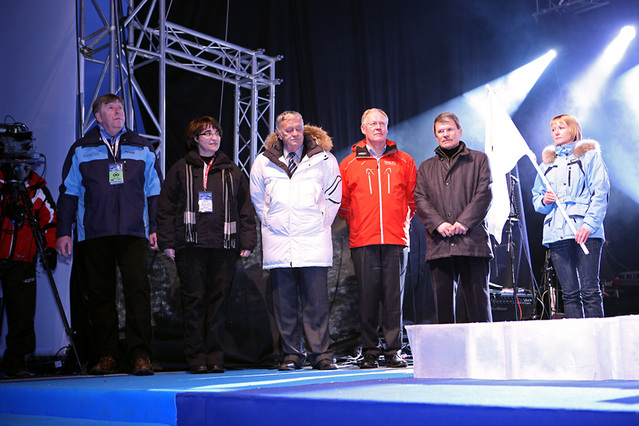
(288, 366)
(199, 369)
(396, 361)
(370, 361)
(18, 372)
(143, 367)
(106, 365)
(325, 364)
(216, 369)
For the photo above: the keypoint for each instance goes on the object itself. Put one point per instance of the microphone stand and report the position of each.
(512, 218)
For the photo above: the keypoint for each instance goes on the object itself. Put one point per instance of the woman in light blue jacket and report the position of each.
(579, 180)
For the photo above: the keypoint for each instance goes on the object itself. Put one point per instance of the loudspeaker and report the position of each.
(503, 306)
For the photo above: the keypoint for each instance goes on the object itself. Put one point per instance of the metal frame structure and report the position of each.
(572, 6)
(121, 43)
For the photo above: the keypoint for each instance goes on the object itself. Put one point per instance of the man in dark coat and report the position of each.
(452, 197)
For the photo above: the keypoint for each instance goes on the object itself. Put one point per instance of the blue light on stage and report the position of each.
(415, 135)
(587, 90)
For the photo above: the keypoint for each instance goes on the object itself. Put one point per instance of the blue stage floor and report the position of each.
(308, 397)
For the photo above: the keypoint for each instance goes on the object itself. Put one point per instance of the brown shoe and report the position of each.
(142, 367)
(106, 365)
(396, 361)
(325, 364)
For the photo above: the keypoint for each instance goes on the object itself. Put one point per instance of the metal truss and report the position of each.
(125, 43)
(571, 6)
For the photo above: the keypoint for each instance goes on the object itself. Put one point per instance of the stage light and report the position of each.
(513, 87)
(615, 50)
(416, 134)
(613, 132)
(628, 32)
(628, 87)
(587, 90)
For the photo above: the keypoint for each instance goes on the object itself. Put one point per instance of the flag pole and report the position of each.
(517, 149)
(560, 206)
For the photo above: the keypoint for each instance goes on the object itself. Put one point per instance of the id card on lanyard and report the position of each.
(116, 174)
(205, 198)
(116, 170)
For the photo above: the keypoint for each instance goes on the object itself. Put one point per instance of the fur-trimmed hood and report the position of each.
(549, 153)
(317, 134)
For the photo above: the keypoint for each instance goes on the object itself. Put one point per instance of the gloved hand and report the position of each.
(51, 257)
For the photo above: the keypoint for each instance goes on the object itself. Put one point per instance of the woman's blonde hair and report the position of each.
(572, 123)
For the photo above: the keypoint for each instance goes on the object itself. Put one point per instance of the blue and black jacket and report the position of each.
(103, 209)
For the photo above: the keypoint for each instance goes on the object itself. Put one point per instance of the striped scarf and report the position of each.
(230, 222)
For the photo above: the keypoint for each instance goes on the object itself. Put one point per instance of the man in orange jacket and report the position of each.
(378, 181)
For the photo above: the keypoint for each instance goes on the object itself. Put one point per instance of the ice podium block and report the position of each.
(563, 349)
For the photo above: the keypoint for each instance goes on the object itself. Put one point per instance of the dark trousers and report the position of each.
(100, 257)
(19, 298)
(205, 279)
(379, 270)
(300, 302)
(471, 273)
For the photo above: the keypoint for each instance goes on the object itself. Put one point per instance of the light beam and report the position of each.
(586, 91)
(415, 136)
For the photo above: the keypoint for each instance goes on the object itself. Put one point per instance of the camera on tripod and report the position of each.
(17, 150)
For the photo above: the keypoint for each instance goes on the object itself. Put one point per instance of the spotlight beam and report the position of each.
(587, 90)
(413, 135)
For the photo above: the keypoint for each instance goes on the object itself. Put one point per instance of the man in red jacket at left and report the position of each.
(18, 255)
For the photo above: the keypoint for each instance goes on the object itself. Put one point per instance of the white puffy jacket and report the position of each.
(297, 211)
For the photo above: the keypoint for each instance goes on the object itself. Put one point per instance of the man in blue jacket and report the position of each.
(110, 184)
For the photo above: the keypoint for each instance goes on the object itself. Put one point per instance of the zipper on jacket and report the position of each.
(370, 183)
(388, 173)
(119, 222)
(381, 216)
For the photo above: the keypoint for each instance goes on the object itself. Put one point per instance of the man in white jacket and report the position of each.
(296, 189)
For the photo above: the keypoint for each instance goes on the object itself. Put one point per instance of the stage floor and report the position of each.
(310, 397)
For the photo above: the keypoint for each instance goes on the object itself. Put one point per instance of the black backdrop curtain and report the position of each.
(342, 57)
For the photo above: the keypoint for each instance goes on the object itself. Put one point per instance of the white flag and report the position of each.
(504, 147)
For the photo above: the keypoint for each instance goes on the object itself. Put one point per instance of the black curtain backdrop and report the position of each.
(406, 57)
(342, 57)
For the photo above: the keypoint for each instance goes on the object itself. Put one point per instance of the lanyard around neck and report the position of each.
(113, 148)
(207, 167)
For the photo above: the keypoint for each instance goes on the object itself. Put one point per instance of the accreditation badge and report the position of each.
(205, 202)
(116, 174)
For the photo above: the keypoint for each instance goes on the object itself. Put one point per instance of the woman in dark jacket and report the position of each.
(205, 219)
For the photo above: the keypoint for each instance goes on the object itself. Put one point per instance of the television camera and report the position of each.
(17, 150)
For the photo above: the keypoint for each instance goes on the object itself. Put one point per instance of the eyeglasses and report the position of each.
(209, 133)
(376, 123)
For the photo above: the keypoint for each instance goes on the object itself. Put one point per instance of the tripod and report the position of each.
(17, 188)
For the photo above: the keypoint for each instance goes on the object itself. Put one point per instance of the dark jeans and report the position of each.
(578, 275)
(380, 271)
(19, 297)
(99, 257)
(471, 273)
(205, 279)
(300, 301)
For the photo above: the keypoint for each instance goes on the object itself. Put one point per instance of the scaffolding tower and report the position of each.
(121, 43)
